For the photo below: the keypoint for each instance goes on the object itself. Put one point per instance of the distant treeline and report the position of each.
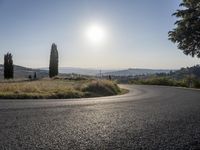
(185, 77)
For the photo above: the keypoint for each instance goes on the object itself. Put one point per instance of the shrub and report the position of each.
(101, 87)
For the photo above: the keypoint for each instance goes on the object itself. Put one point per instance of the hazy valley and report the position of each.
(24, 72)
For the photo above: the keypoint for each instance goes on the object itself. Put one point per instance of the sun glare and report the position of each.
(95, 34)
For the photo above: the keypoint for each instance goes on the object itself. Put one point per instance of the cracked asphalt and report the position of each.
(148, 117)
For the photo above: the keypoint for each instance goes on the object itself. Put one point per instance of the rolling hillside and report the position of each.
(23, 72)
(94, 72)
(134, 72)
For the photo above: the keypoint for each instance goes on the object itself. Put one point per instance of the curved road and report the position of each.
(148, 117)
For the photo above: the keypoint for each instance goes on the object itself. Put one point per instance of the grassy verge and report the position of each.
(58, 88)
(166, 81)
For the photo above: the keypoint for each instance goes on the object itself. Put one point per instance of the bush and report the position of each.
(101, 87)
(196, 83)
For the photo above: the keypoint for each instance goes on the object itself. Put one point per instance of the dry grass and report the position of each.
(57, 88)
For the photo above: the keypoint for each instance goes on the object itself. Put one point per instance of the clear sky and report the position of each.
(136, 33)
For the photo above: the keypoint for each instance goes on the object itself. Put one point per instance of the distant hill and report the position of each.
(135, 72)
(82, 71)
(23, 72)
(128, 72)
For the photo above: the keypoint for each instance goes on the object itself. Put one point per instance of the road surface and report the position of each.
(148, 117)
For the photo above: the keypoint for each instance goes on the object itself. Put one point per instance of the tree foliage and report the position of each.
(186, 34)
(53, 66)
(8, 66)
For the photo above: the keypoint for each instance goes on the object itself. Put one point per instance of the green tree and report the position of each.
(53, 66)
(186, 34)
(8, 66)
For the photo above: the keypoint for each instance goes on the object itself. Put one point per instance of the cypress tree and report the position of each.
(53, 65)
(8, 66)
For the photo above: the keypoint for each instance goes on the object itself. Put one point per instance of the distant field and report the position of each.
(58, 88)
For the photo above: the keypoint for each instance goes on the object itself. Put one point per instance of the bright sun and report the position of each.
(95, 34)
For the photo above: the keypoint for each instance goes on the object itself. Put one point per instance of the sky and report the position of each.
(135, 33)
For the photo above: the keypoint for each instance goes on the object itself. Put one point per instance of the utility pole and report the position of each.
(100, 74)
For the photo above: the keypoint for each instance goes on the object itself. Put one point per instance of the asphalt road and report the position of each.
(149, 117)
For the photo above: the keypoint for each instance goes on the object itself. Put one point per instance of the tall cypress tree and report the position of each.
(53, 66)
(8, 66)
